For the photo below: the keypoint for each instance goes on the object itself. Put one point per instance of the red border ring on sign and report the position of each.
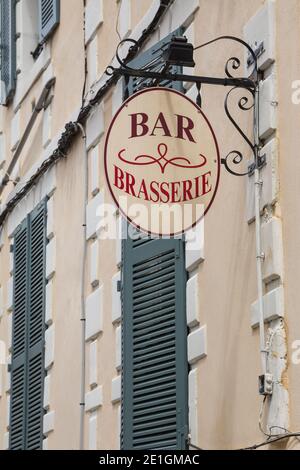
(146, 90)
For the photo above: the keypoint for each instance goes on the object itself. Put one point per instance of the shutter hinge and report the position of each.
(186, 437)
(8, 367)
(178, 249)
(185, 431)
(119, 286)
(11, 248)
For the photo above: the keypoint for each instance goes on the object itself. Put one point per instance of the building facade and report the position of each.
(109, 342)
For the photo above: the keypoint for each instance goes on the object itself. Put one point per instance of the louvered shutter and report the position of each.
(26, 414)
(152, 60)
(35, 361)
(19, 346)
(49, 17)
(154, 359)
(8, 49)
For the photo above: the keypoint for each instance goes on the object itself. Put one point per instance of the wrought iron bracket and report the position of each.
(178, 77)
(246, 103)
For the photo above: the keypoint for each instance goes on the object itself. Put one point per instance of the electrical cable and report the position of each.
(271, 437)
(85, 57)
(268, 441)
(269, 341)
(71, 128)
(83, 279)
(261, 412)
(272, 440)
(117, 21)
(284, 429)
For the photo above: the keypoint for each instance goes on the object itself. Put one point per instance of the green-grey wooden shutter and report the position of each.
(49, 17)
(19, 346)
(27, 369)
(8, 49)
(154, 332)
(36, 322)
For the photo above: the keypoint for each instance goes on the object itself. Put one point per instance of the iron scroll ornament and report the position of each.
(235, 156)
(245, 103)
(157, 72)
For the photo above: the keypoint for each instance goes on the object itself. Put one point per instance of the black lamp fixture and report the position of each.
(179, 52)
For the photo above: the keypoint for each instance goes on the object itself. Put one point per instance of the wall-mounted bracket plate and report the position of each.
(261, 160)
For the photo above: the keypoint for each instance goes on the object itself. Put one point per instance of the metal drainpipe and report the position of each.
(82, 317)
(259, 253)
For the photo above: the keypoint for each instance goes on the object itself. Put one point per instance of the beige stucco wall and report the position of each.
(228, 400)
(67, 53)
(227, 378)
(289, 113)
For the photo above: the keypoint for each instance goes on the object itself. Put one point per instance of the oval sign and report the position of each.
(162, 161)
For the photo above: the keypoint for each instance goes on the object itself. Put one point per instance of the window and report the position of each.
(28, 29)
(8, 49)
(25, 26)
(154, 352)
(38, 20)
(48, 20)
(49, 11)
(27, 367)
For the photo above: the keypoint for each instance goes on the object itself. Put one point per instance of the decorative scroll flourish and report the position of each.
(235, 157)
(242, 104)
(162, 160)
(234, 62)
(134, 48)
(245, 103)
